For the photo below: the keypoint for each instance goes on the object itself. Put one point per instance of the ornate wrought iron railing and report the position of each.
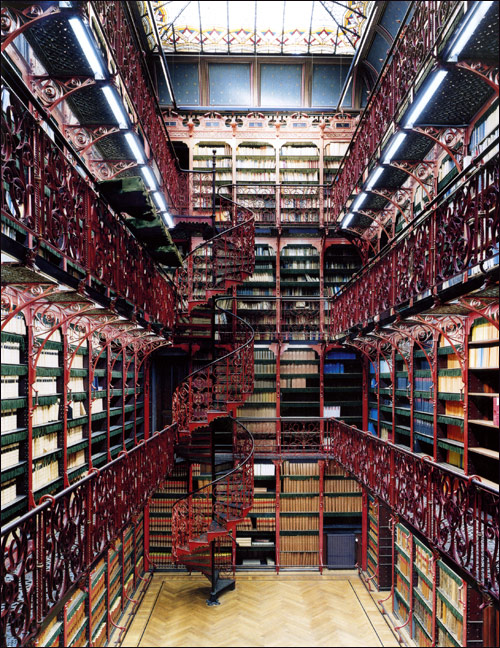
(50, 549)
(458, 515)
(221, 385)
(410, 53)
(214, 509)
(454, 240)
(219, 263)
(50, 210)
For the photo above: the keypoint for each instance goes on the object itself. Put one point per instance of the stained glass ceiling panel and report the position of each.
(258, 27)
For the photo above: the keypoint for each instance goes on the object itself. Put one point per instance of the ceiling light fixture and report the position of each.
(347, 220)
(396, 143)
(421, 103)
(115, 106)
(160, 201)
(149, 178)
(359, 201)
(135, 148)
(471, 23)
(167, 219)
(88, 48)
(374, 177)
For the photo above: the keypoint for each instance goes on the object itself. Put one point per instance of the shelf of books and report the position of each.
(256, 179)
(116, 414)
(256, 534)
(299, 515)
(333, 154)
(424, 400)
(379, 544)
(160, 515)
(403, 550)
(402, 409)
(483, 407)
(47, 419)
(86, 615)
(342, 503)
(202, 161)
(253, 306)
(450, 406)
(299, 166)
(299, 382)
(423, 614)
(99, 404)
(342, 370)
(14, 420)
(77, 437)
(299, 284)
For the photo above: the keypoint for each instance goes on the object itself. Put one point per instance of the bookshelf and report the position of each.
(256, 179)
(483, 408)
(299, 514)
(378, 548)
(99, 404)
(258, 311)
(202, 162)
(256, 535)
(299, 280)
(403, 548)
(78, 395)
(299, 163)
(14, 422)
(332, 157)
(160, 515)
(422, 630)
(340, 263)
(343, 386)
(263, 403)
(47, 419)
(299, 382)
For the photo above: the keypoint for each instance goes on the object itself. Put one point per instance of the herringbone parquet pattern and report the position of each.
(266, 611)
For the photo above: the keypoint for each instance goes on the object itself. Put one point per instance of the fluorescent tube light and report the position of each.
(87, 47)
(470, 26)
(347, 220)
(359, 201)
(160, 201)
(135, 148)
(149, 177)
(115, 106)
(396, 143)
(421, 103)
(374, 177)
(167, 219)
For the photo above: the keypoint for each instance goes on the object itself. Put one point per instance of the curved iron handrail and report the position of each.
(213, 363)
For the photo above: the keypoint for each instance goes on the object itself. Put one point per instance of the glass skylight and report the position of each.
(215, 27)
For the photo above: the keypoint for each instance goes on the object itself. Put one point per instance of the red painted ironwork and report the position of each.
(455, 238)
(452, 511)
(50, 549)
(219, 263)
(129, 60)
(410, 54)
(45, 196)
(214, 510)
(223, 384)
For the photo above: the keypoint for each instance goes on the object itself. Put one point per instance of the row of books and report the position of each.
(484, 331)
(262, 397)
(10, 386)
(300, 469)
(301, 251)
(250, 176)
(300, 559)
(299, 176)
(340, 485)
(255, 163)
(11, 352)
(299, 543)
(299, 504)
(483, 357)
(342, 504)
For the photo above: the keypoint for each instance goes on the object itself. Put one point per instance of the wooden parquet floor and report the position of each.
(265, 610)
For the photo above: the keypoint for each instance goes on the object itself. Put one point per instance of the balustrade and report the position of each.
(453, 241)
(48, 551)
(410, 54)
(46, 200)
(459, 516)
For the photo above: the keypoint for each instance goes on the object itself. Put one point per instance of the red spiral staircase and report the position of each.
(205, 402)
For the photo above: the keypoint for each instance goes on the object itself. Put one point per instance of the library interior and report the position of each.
(250, 323)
